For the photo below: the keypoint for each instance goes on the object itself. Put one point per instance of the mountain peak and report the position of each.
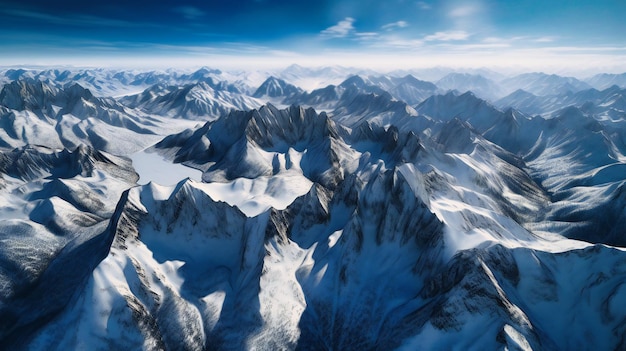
(355, 81)
(205, 72)
(28, 94)
(78, 91)
(276, 87)
(270, 126)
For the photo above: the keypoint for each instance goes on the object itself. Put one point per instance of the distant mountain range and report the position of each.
(338, 209)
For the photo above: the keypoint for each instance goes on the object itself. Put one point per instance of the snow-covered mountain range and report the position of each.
(336, 210)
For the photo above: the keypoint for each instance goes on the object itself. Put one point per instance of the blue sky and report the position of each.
(357, 32)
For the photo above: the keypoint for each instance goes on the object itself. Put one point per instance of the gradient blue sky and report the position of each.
(396, 33)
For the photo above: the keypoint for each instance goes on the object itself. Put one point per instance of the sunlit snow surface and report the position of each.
(255, 196)
(152, 167)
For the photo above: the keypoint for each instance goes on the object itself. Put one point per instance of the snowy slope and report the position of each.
(576, 157)
(543, 84)
(359, 100)
(467, 107)
(412, 90)
(605, 80)
(329, 97)
(199, 101)
(262, 143)
(54, 206)
(105, 82)
(274, 87)
(34, 112)
(407, 88)
(312, 78)
(477, 84)
(609, 103)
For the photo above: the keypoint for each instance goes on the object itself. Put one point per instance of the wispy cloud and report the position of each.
(544, 40)
(340, 30)
(189, 12)
(423, 5)
(74, 19)
(464, 11)
(583, 49)
(517, 40)
(500, 40)
(493, 40)
(470, 15)
(394, 25)
(469, 48)
(401, 43)
(365, 36)
(448, 36)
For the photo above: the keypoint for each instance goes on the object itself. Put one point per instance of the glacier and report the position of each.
(311, 209)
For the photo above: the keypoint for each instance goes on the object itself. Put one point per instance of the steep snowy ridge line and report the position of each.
(40, 252)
